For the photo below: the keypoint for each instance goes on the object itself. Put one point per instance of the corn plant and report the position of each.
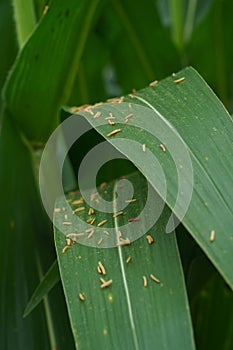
(116, 174)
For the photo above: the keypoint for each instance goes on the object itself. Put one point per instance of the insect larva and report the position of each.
(116, 99)
(117, 214)
(106, 233)
(110, 118)
(110, 122)
(74, 109)
(86, 105)
(105, 283)
(88, 110)
(155, 279)
(162, 147)
(97, 104)
(113, 100)
(91, 234)
(78, 201)
(91, 221)
(68, 241)
(101, 223)
(100, 241)
(57, 210)
(65, 249)
(144, 281)
(179, 80)
(153, 83)
(78, 210)
(110, 297)
(123, 242)
(99, 269)
(93, 195)
(114, 132)
(104, 184)
(150, 239)
(89, 230)
(133, 219)
(45, 9)
(144, 147)
(130, 200)
(128, 116)
(128, 259)
(91, 211)
(212, 236)
(81, 296)
(102, 268)
(119, 234)
(67, 223)
(97, 115)
(131, 95)
(75, 234)
(66, 217)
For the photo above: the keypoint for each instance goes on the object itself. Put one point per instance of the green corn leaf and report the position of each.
(132, 312)
(43, 75)
(184, 119)
(26, 253)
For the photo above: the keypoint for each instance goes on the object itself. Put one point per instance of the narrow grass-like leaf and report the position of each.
(185, 116)
(128, 313)
(48, 281)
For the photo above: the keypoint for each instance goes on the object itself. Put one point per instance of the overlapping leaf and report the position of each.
(192, 111)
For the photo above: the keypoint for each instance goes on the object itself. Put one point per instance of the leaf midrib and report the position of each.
(125, 284)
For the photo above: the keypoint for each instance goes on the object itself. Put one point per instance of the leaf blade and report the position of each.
(207, 132)
(126, 313)
(52, 64)
(49, 280)
(21, 231)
